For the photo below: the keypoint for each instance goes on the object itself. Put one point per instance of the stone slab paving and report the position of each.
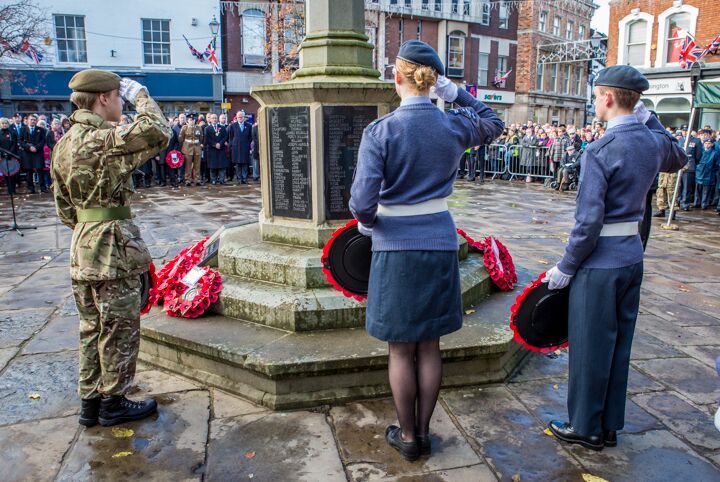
(480, 433)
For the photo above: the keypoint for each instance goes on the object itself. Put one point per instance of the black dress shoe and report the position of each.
(118, 409)
(408, 450)
(610, 438)
(424, 444)
(89, 411)
(659, 214)
(565, 432)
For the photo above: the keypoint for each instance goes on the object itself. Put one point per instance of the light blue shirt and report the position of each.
(415, 100)
(622, 120)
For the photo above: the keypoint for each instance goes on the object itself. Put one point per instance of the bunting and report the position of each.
(499, 79)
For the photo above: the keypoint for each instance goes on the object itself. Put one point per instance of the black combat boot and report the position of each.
(659, 214)
(118, 409)
(89, 410)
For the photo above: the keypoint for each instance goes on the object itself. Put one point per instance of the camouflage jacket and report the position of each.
(92, 167)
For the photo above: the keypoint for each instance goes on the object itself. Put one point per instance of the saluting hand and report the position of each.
(129, 89)
(445, 88)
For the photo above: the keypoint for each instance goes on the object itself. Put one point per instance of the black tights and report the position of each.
(415, 372)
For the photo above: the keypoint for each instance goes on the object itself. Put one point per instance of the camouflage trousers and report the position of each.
(109, 334)
(666, 189)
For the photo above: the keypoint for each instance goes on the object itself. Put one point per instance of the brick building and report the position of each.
(648, 35)
(554, 47)
(476, 39)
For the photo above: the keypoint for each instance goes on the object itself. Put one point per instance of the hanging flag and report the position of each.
(499, 79)
(690, 52)
(210, 54)
(195, 52)
(34, 54)
(714, 46)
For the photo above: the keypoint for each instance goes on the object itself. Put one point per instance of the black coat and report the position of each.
(8, 141)
(694, 152)
(216, 158)
(256, 143)
(33, 160)
(240, 142)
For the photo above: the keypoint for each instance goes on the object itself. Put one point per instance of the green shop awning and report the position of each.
(707, 94)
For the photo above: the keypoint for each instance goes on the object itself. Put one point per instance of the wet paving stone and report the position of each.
(167, 446)
(540, 365)
(646, 346)
(34, 450)
(651, 456)
(511, 439)
(6, 355)
(704, 354)
(360, 431)
(695, 426)
(688, 376)
(226, 405)
(548, 401)
(273, 447)
(53, 377)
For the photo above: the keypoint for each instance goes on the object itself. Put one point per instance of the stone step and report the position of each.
(244, 254)
(294, 308)
(283, 369)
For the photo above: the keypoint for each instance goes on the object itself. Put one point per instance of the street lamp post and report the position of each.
(214, 26)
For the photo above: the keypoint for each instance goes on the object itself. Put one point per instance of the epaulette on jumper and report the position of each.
(602, 142)
(378, 120)
(464, 111)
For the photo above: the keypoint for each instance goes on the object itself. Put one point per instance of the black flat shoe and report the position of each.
(565, 432)
(610, 438)
(424, 444)
(408, 450)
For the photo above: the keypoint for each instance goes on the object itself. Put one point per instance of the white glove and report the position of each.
(363, 230)
(641, 112)
(445, 88)
(129, 89)
(556, 279)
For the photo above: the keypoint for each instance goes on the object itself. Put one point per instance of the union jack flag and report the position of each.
(690, 52)
(499, 79)
(195, 52)
(212, 58)
(714, 46)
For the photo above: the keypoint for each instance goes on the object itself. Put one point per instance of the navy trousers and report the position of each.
(687, 192)
(604, 305)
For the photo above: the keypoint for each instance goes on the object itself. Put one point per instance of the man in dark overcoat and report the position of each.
(240, 136)
(32, 142)
(215, 137)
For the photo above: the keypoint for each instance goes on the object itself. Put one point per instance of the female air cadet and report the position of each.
(407, 163)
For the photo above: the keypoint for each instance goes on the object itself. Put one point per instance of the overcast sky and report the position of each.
(601, 19)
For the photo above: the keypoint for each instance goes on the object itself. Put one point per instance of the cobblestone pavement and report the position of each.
(480, 433)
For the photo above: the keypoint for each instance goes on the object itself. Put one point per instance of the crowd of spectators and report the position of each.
(226, 149)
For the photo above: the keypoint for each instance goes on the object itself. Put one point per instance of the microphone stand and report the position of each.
(15, 227)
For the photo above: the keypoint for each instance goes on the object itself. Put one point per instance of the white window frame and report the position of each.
(461, 38)
(566, 79)
(540, 78)
(662, 39)
(485, 12)
(556, 25)
(542, 21)
(501, 66)
(554, 78)
(577, 78)
(504, 16)
(79, 42)
(569, 29)
(483, 80)
(581, 32)
(251, 58)
(153, 42)
(623, 25)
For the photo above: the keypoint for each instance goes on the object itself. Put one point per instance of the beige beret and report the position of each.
(94, 81)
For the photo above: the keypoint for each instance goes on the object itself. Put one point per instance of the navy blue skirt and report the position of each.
(413, 295)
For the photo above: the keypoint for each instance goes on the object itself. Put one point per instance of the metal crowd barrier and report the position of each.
(508, 162)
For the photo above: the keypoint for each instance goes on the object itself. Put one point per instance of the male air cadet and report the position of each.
(604, 257)
(92, 167)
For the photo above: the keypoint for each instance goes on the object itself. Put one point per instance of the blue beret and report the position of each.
(623, 77)
(418, 52)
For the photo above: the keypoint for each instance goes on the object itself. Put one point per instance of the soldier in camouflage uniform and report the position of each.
(92, 167)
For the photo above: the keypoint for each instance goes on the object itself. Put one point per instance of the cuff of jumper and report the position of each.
(464, 99)
(568, 267)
